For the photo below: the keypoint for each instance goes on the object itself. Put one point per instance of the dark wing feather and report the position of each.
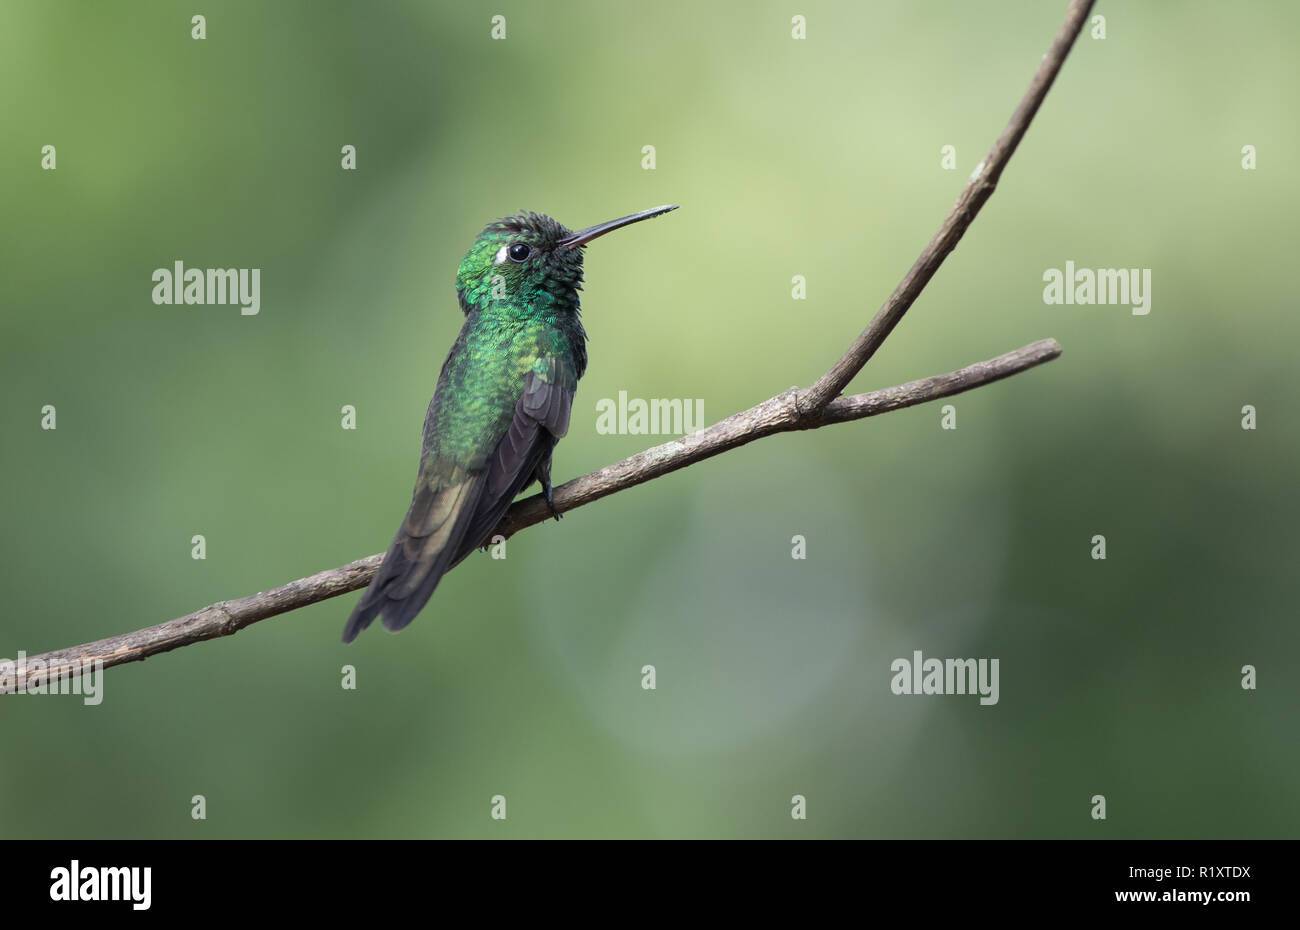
(452, 516)
(541, 418)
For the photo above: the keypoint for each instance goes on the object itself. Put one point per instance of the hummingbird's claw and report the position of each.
(550, 501)
(543, 475)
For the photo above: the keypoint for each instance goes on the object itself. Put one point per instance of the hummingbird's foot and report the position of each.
(543, 475)
(550, 500)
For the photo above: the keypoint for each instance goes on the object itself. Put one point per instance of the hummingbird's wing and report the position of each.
(541, 419)
(455, 508)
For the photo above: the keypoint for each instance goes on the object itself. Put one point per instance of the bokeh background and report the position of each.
(523, 677)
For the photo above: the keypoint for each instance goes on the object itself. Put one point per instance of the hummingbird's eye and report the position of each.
(519, 252)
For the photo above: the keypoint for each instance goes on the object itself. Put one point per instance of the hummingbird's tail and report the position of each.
(429, 542)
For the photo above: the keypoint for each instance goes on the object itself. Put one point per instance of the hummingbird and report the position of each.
(503, 400)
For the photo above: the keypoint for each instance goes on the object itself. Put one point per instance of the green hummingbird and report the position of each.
(502, 402)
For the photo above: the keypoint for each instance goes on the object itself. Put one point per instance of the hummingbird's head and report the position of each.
(531, 261)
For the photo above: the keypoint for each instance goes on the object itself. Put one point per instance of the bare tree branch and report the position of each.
(776, 415)
(814, 408)
(979, 189)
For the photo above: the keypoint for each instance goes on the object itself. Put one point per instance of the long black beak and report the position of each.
(583, 236)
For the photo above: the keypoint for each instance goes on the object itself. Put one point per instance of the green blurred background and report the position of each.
(522, 677)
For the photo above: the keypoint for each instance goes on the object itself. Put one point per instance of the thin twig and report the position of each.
(816, 407)
(979, 189)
